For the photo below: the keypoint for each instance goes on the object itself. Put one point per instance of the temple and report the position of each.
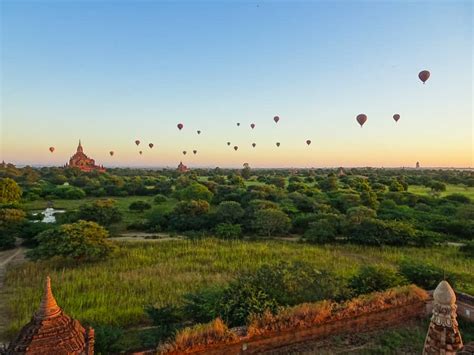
(51, 331)
(83, 162)
(443, 333)
(182, 168)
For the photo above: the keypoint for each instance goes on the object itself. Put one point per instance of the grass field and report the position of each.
(450, 189)
(115, 291)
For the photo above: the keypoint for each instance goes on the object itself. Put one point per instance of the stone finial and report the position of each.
(443, 335)
(48, 307)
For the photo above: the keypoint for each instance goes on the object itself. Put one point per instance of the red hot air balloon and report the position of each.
(308, 142)
(195, 151)
(361, 119)
(140, 152)
(228, 143)
(111, 153)
(235, 148)
(184, 152)
(396, 117)
(180, 126)
(150, 145)
(424, 75)
(51, 149)
(252, 125)
(198, 132)
(137, 142)
(254, 145)
(277, 144)
(276, 119)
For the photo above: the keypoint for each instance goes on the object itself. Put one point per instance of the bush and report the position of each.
(458, 198)
(321, 232)
(468, 249)
(103, 212)
(139, 206)
(81, 241)
(168, 319)
(424, 275)
(374, 278)
(377, 232)
(229, 212)
(106, 339)
(160, 199)
(228, 231)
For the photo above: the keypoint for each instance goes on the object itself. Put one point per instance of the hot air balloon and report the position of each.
(238, 124)
(308, 142)
(198, 132)
(195, 151)
(396, 117)
(140, 152)
(424, 75)
(277, 144)
(228, 143)
(361, 119)
(180, 126)
(150, 145)
(137, 142)
(111, 153)
(252, 125)
(184, 152)
(254, 145)
(276, 119)
(235, 148)
(51, 149)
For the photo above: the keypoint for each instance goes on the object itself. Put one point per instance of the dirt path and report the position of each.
(7, 257)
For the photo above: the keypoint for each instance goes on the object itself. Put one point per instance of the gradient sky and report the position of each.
(110, 72)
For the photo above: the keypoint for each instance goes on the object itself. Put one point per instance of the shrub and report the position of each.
(103, 212)
(167, 319)
(374, 278)
(106, 338)
(204, 305)
(228, 231)
(377, 232)
(81, 241)
(200, 335)
(139, 206)
(229, 212)
(468, 249)
(321, 232)
(424, 275)
(160, 199)
(458, 198)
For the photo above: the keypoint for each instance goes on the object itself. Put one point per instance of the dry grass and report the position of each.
(200, 335)
(312, 314)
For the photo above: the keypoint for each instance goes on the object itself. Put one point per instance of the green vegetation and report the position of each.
(115, 291)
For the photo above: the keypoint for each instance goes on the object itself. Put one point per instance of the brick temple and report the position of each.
(83, 162)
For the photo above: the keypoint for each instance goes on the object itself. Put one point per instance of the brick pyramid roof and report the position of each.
(51, 331)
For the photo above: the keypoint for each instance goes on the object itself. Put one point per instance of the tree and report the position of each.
(10, 220)
(437, 186)
(81, 241)
(396, 186)
(139, 206)
(103, 212)
(374, 278)
(190, 215)
(424, 274)
(194, 191)
(357, 214)
(271, 221)
(228, 231)
(10, 192)
(321, 231)
(229, 212)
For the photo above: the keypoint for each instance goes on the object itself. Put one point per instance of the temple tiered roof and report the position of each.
(51, 331)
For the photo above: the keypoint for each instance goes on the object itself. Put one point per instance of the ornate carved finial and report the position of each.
(443, 334)
(48, 307)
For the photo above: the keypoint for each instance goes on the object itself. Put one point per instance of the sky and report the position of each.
(111, 72)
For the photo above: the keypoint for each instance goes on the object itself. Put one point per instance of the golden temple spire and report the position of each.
(48, 307)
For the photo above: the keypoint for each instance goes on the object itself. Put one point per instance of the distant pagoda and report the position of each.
(182, 168)
(83, 162)
(443, 333)
(51, 331)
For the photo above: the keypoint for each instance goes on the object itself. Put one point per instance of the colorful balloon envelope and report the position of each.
(184, 152)
(424, 75)
(235, 148)
(252, 125)
(180, 126)
(308, 142)
(137, 142)
(51, 149)
(361, 119)
(111, 153)
(151, 145)
(254, 145)
(198, 132)
(238, 124)
(396, 117)
(228, 143)
(195, 151)
(276, 119)
(140, 152)
(277, 144)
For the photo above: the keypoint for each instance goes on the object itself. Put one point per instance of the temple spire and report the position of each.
(79, 147)
(48, 307)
